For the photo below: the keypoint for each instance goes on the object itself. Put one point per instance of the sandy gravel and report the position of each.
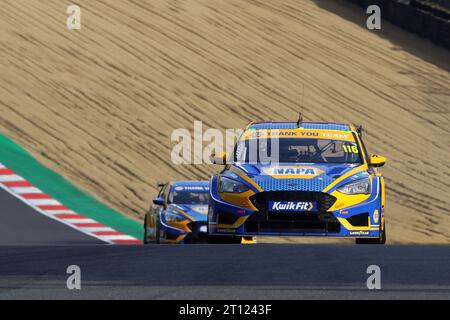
(99, 105)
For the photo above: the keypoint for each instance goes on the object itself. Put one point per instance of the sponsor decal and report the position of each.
(299, 172)
(200, 209)
(359, 233)
(297, 133)
(270, 134)
(226, 230)
(376, 216)
(191, 188)
(292, 206)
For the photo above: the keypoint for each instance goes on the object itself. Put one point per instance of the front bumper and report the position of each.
(172, 235)
(360, 220)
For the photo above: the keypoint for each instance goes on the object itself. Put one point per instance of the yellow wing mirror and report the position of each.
(218, 158)
(377, 160)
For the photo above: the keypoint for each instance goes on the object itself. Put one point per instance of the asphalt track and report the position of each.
(35, 252)
(225, 272)
(22, 225)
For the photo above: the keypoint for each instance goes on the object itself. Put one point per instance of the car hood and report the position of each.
(296, 176)
(195, 212)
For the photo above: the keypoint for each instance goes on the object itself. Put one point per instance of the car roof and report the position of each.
(185, 183)
(304, 125)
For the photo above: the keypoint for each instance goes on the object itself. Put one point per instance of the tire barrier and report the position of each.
(422, 17)
(442, 3)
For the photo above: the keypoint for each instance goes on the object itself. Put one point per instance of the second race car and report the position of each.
(178, 214)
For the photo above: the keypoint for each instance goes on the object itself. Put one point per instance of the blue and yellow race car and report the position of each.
(298, 179)
(178, 214)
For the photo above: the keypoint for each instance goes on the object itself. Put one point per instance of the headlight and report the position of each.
(357, 187)
(172, 217)
(231, 186)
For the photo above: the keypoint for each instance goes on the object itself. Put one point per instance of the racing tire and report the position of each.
(145, 240)
(156, 239)
(215, 239)
(380, 240)
(158, 231)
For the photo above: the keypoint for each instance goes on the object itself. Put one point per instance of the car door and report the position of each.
(156, 209)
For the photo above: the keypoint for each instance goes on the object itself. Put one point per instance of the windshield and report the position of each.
(182, 195)
(291, 150)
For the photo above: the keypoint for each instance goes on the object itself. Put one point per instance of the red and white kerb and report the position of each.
(46, 205)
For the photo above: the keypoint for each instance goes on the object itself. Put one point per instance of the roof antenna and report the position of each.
(360, 130)
(300, 120)
(300, 117)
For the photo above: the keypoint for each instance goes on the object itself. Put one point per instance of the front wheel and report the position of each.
(380, 240)
(158, 230)
(215, 239)
(145, 231)
(154, 236)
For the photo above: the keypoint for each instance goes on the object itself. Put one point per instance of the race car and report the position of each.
(298, 179)
(178, 214)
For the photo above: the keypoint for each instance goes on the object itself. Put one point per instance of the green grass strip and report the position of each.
(19, 160)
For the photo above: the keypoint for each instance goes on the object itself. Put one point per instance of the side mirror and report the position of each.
(160, 184)
(376, 160)
(218, 158)
(158, 201)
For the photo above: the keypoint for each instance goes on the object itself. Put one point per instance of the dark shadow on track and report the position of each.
(412, 43)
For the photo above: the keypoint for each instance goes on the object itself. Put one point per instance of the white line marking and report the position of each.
(53, 212)
(44, 202)
(118, 237)
(10, 178)
(26, 190)
(97, 229)
(80, 220)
